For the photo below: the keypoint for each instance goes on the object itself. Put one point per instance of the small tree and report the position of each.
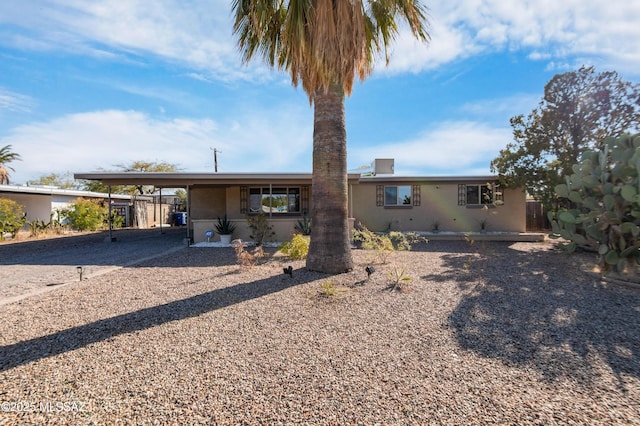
(86, 215)
(260, 228)
(605, 191)
(12, 217)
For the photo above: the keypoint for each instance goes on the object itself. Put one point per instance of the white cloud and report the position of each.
(602, 33)
(501, 109)
(258, 140)
(450, 148)
(15, 102)
(198, 33)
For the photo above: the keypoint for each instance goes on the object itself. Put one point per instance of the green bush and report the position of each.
(297, 248)
(86, 215)
(385, 244)
(604, 193)
(12, 217)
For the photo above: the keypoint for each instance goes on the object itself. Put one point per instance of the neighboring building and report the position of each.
(458, 204)
(41, 201)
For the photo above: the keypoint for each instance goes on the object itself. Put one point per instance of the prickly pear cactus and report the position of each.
(605, 191)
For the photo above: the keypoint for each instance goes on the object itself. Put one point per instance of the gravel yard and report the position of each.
(492, 333)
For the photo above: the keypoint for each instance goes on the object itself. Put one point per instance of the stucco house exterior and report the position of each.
(458, 204)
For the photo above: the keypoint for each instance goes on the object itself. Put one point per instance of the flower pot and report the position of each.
(225, 239)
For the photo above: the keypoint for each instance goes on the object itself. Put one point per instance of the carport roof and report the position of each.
(179, 180)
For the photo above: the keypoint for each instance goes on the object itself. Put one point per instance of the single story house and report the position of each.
(457, 205)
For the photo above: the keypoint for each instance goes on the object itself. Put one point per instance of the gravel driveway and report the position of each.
(35, 266)
(493, 333)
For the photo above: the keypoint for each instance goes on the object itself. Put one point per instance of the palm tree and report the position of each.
(324, 44)
(6, 156)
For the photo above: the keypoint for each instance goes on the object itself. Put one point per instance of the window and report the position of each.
(397, 195)
(274, 200)
(479, 195)
(393, 196)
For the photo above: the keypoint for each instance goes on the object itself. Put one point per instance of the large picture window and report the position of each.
(274, 200)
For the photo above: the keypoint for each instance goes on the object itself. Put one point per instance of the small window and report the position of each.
(479, 195)
(397, 195)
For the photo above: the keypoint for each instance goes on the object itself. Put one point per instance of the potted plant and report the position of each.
(225, 229)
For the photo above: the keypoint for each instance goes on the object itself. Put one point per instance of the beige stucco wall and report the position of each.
(439, 202)
(208, 202)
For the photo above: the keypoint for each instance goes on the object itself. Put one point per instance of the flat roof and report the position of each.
(50, 190)
(183, 179)
(418, 179)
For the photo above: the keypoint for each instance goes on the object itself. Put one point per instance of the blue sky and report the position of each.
(92, 84)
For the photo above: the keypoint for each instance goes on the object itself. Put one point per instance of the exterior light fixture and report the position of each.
(370, 270)
(80, 271)
(288, 271)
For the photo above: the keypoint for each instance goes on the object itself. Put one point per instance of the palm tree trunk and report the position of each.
(330, 248)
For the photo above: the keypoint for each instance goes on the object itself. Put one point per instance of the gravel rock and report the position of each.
(492, 333)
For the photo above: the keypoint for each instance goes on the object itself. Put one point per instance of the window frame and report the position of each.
(497, 197)
(411, 191)
(294, 195)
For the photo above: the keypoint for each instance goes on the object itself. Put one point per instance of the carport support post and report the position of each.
(160, 208)
(110, 217)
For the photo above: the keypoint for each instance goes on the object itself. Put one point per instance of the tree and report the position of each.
(12, 217)
(146, 167)
(136, 166)
(64, 181)
(6, 157)
(86, 214)
(578, 111)
(324, 44)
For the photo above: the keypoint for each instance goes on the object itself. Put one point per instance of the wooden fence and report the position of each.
(537, 217)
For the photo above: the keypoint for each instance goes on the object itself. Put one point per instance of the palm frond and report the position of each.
(323, 42)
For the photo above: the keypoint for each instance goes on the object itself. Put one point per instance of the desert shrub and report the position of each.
(304, 225)
(405, 241)
(369, 240)
(328, 289)
(38, 227)
(398, 278)
(384, 244)
(245, 257)
(117, 221)
(260, 228)
(86, 215)
(297, 248)
(12, 217)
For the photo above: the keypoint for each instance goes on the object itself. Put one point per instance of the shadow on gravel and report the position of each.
(541, 310)
(93, 249)
(21, 353)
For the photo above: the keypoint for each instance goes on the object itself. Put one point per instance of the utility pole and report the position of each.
(215, 159)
